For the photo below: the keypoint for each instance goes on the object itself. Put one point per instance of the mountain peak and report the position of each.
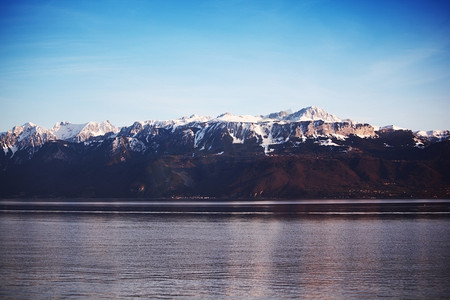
(29, 124)
(312, 113)
(26, 129)
(192, 118)
(228, 117)
(81, 132)
(278, 115)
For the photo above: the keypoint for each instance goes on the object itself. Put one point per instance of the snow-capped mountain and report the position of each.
(212, 134)
(434, 135)
(280, 130)
(28, 136)
(81, 132)
(31, 136)
(304, 154)
(312, 113)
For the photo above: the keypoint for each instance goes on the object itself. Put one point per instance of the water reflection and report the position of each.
(280, 207)
(220, 256)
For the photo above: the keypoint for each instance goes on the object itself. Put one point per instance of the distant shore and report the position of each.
(337, 206)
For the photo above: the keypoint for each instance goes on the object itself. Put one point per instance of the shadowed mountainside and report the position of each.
(60, 169)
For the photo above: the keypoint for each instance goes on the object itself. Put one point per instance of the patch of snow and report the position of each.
(13, 150)
(236, 140)
(437, 134)
(327, 142)
(340, 137)
(419, 144)
(136, 145)
(265, 133)
(227, 117)
(198, 137)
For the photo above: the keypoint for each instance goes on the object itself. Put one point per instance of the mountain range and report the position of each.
(304, 154)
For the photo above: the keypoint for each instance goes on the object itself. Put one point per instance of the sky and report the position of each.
(379, 62)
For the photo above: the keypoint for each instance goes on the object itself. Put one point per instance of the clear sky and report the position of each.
(381, 62)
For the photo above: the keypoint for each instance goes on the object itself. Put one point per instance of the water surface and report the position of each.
(222, 254)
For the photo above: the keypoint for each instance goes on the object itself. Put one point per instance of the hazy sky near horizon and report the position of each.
(381, 62)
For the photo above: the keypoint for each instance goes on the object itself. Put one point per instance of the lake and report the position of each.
(205, 250)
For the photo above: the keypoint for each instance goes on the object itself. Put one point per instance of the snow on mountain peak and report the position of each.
(29, 125)
(434, 134)
(227, 117)
(266, 130)
(28, 135)
(96, 129)
(190, 119)
(66, 130)
(26, 130)
(80, 132)
(312, 113)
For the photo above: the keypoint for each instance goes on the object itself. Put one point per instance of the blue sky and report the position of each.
(381, 62)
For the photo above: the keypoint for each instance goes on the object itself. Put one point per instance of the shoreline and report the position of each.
(287, 207)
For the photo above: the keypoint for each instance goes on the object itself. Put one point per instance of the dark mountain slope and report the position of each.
(299, 175)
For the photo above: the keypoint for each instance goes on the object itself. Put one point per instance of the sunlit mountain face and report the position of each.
(305, 154)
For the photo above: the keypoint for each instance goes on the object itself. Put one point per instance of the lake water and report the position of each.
(210, 252)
